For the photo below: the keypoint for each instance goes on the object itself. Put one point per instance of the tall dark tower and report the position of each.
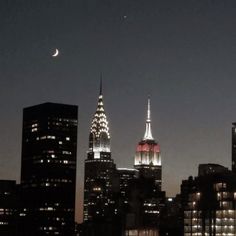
(99, 169)
(234, 148)
(148, 157)
(48, 171)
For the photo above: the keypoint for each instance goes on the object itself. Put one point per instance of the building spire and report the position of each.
(148, 131)
(99, 132)
(100, 93)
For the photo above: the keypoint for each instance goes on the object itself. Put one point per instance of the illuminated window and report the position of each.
(66, 152)
(220, 186)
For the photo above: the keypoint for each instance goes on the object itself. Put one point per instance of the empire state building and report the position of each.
(99, 169)
(148, 156)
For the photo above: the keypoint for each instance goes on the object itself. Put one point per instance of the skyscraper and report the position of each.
(146, 198)
(100, 171)
(148, 157)
(234, 148)
(48, 171)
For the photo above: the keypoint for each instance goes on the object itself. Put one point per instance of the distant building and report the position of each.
(234, 147)
(101, 181)
(48, 170)
(206, 169)
(145, 206)
(171, 217)
(126, 178)
(209, 204)
(8, 208)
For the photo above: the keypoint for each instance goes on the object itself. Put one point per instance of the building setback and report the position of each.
(48, 170)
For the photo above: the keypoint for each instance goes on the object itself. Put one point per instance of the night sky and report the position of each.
(180, 52)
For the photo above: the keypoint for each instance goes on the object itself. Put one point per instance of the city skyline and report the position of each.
(181, 54)
(79, 194)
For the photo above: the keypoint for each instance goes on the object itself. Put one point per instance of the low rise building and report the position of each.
(209, 203)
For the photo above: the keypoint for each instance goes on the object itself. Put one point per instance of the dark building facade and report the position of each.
(101, 181)
(145, 206)
(209, 204)
(126, 179)
(171, 222)
(8, 208)
(48, 170)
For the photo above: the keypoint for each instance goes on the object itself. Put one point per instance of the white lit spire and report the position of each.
(148, 131)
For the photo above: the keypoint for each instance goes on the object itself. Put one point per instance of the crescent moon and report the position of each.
(56, 53)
